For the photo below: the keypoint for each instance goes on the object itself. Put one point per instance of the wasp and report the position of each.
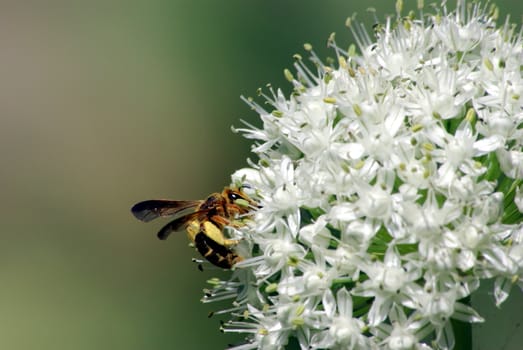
(203, 220)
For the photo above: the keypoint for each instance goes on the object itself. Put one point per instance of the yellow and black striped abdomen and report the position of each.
(214, 252)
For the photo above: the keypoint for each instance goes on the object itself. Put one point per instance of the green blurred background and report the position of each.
(105, 103)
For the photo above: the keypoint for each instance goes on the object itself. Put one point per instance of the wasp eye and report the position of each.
(233, 196)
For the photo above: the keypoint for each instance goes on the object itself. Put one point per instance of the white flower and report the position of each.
(403, 333)
(342, 331)
(388, 284)
(389, 187)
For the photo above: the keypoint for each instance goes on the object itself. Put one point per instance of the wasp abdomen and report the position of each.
(214, 252)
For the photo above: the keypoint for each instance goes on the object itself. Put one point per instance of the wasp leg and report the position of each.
(213, 232)
(231, 242)
(221, 222)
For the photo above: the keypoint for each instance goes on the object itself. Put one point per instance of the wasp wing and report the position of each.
(155, 208)
(179, 224)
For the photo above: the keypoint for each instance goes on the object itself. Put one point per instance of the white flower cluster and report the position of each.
(389, 185)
